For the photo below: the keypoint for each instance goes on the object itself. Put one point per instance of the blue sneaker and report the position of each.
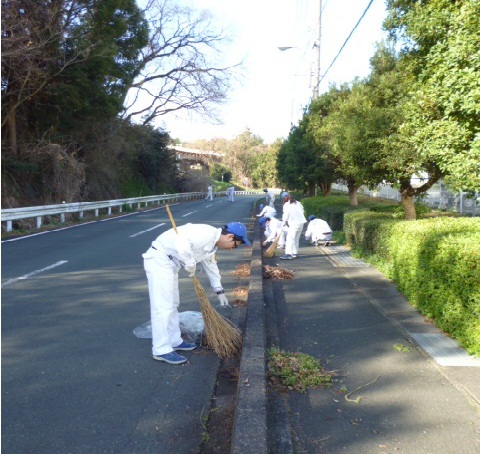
(185, 346)
(286, 257)
(171, 358)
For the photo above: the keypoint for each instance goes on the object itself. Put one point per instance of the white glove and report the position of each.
(190, 269)
(223, 300)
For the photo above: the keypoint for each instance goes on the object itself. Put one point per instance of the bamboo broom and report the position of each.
(270, 252)
(220, 333)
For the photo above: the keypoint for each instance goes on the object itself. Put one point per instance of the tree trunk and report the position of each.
(408, 206)
(352, 194)
(12, 131)
(326, 188)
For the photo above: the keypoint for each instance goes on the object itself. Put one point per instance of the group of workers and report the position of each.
(230, 192)
(289, 228)
(192, 244)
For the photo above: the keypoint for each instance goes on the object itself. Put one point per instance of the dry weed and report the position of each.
(274, 272)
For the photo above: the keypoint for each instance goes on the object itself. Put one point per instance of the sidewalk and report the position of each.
(345, 313)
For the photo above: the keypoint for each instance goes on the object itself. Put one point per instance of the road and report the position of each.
(74, 377)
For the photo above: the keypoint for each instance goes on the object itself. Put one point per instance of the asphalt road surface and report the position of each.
(74, 377)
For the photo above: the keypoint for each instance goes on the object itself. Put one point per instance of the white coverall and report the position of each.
(270, 199)
(231, 192)
(318, 230)
(210, 193)
(192, 244)
(273, 229)
(293, 214)
(268, 212)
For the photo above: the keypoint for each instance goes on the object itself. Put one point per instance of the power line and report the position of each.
(344, 44)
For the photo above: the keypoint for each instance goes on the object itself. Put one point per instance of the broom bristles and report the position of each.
(221, 334)
(270, 252)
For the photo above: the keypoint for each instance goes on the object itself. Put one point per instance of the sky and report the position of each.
(276, 86)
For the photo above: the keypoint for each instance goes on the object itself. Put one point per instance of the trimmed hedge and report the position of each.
(330, 209)
(333, 208)
(435, 263)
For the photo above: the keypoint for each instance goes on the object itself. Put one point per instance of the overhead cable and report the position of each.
(349, 36)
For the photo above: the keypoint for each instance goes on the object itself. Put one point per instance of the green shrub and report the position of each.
(435, 263)
(385, 208)
(330, 209)
(333, 208)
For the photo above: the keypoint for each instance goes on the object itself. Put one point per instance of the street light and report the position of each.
(293, 97)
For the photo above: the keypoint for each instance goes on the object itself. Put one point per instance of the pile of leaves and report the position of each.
(297, 371)
(274, 272)
(242, 270)
(241, 295)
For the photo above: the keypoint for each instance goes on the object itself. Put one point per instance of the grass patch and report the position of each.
(297, 371)
(402, 348)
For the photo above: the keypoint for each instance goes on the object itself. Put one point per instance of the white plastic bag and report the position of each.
(191, 325)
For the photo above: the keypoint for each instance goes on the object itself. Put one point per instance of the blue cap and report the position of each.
(312, 216)
(239, 230)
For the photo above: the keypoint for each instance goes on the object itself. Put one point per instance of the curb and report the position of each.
(250, 424)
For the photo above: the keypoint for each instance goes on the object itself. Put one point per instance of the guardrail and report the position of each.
(39, 212)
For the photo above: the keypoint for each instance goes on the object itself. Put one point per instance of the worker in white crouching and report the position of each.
(273, 228)
(194, 243)
(318, 230)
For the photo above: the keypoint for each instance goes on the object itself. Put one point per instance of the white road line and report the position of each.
(188, 214)
(33, 273)
(47, 231)
(117, 217)
(145, 231)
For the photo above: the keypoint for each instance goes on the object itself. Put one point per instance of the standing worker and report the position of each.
(194, 243)
(318, 230)
(269, 198)
(209, 193)
(294, 217)
(231, 192)
(283, 194)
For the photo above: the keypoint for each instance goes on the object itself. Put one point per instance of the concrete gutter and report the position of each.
(250, 425)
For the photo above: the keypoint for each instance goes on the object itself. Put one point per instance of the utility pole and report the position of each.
(318, 46)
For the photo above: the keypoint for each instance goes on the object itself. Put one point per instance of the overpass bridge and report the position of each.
(194, 157)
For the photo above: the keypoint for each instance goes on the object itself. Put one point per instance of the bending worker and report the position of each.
(266, 212)
(194, 243)
(273, 228)
(318, 230)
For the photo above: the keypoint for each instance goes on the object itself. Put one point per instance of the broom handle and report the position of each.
(171, 218)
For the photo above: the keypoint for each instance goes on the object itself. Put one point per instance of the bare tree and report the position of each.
(178, 69)
(32, 32)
